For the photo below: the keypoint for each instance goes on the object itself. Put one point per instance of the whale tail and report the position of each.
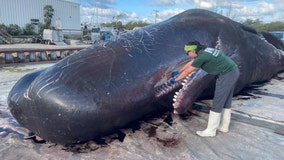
(270, 38)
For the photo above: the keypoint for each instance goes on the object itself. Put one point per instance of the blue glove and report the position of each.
(173, 80)
(175, 73)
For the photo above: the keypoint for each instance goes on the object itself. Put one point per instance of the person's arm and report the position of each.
(185, 70)
(185, 66)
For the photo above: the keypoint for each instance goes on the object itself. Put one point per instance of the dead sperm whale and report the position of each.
(106, 86)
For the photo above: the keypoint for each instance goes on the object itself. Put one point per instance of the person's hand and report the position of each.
(173, 80)
(175, 73)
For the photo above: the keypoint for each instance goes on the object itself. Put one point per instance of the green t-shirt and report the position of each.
(213, 62)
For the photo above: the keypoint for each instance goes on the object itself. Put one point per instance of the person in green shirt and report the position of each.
(214, 62)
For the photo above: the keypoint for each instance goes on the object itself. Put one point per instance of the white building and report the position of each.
(21, 12)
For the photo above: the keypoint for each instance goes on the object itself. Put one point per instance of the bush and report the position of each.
(14, 29)
(2, 26)
(29, 29)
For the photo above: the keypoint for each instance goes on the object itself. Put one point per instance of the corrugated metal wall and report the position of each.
(21, 12)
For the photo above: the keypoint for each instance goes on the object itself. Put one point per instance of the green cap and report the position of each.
(188, 48)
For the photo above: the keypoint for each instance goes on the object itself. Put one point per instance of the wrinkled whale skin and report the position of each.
(102, 88)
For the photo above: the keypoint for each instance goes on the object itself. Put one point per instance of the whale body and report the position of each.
(108, 85)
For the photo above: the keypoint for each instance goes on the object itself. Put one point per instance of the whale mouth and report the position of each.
(183, 86)
(166, 88)
(179, 96)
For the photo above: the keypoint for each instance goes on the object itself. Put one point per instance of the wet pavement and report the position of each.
(256, 130)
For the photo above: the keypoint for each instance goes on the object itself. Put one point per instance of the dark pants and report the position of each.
(224, 90)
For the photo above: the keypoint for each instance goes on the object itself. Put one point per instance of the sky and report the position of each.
(154, 11)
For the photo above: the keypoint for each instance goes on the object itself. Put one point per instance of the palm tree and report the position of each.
(48, 14)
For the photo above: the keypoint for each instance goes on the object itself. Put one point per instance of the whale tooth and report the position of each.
(164, 88)
(186, 80)
(175, 96)
(174, 99)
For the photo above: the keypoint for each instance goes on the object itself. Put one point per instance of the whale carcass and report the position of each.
(106, 86)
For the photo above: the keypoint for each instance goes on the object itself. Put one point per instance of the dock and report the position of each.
(35, 52)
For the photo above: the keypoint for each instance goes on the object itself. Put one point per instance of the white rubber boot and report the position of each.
(213, 123)
(225, 121)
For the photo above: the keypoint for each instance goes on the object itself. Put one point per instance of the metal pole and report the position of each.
(156, 14)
